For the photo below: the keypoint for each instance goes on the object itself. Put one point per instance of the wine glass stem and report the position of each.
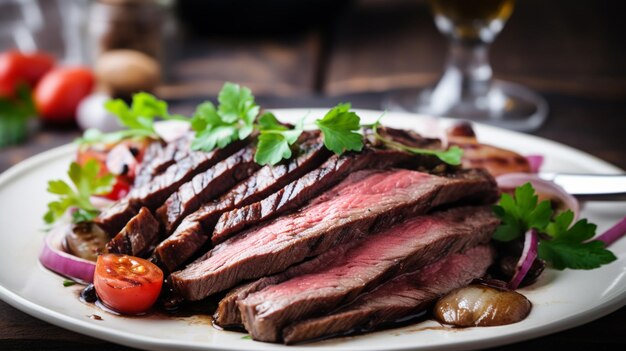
(469, 63)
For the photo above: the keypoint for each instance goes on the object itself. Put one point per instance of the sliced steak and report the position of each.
(144, 171)
(363, 203)
(227, 313)
(154, 193)
(400, 297)
(207, 185)
(138, 237)
(300, 191)
(408, 246)
(161, 157)
(195, 230)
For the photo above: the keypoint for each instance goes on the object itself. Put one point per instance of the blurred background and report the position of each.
(312, 53)
(304, 53)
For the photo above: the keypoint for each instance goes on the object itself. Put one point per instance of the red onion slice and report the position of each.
(512, 180)
(54, 258)
(535, 162)
(529, 254)
(614, 233)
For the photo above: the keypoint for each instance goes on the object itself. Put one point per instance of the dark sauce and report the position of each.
(170, 306)
(167, 307)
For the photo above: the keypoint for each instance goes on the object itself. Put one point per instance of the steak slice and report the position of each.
(227, 312)
(154, 193)
(138, 237)
(408, 246)
(159, 157)
(206, 186)
(300, 191)
(144, 171)
(195, 230)
(363, 203)
(400, 297)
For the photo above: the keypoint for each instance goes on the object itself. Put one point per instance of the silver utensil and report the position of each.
(599, 187)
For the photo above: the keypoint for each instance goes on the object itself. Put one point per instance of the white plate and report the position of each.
(561, 299)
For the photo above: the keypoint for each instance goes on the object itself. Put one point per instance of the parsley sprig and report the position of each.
(340, 129)
(86, 181)
(451, 156)
(275, 139)
(562, 244)
(233, 119)
(138, 118)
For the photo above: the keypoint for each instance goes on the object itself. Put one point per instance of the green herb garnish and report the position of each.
(340, 129)
(138, 118)
(275, 140)
(561, 244)
(232, 120)
(68, 282)
(86, 182)
(451, 156)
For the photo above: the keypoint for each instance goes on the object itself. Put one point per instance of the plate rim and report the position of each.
(133, 340)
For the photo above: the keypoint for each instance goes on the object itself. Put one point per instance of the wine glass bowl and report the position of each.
(467, 89)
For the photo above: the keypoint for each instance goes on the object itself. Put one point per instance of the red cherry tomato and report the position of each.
(16, 68)
(60, 91)
(127, 284)
(120, 189)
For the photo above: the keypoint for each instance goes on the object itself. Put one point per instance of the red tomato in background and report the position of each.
(16, 68)
(127, 284)
(60, 91)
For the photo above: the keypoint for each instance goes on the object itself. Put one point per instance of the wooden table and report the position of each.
(571, 52)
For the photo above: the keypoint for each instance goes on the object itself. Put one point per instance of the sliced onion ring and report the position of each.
(535, 162)
(542, 186)
(529, 254)
(614, 233)
(54, 258)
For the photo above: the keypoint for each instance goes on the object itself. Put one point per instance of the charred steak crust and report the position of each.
(352, 210)
(407, 246)
(398, 298)
(154, 193)
(195, 230)
(138, 237)
(144, 171)
(160, 158)
(206, 186)
(301, 190)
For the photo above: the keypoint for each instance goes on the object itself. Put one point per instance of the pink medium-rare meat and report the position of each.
(410, 245)
(398, 298)
(363, 203)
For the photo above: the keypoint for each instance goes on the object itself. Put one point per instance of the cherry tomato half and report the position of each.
(127, 284)
(120, 189)
(17, 68)
(60, 91)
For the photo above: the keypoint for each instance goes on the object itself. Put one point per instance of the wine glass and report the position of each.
(467, 89)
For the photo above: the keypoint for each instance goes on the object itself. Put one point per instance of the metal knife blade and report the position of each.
(601, 187)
